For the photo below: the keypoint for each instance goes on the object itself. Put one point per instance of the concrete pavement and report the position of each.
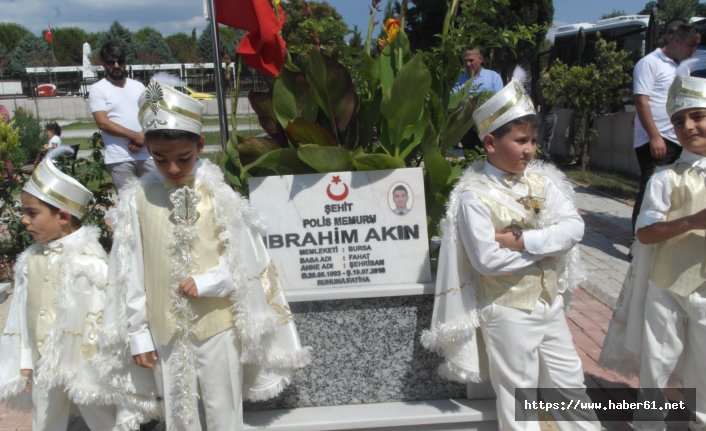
(604, 248)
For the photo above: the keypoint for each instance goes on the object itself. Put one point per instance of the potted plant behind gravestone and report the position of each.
(402, 115)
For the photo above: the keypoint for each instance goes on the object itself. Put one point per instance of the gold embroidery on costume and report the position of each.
(532, 203)
(184, 233)
(272, 290)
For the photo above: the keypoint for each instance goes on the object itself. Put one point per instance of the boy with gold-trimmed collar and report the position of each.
(50, 342)
(201, 297)
(660, 318)
(508, 256)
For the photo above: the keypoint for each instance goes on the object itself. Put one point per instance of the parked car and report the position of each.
(46, 90)
(193, 93)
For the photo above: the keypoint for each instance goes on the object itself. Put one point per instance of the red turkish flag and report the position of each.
(48, 36)
(263, 47)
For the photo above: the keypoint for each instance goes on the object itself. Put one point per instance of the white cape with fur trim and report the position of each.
(72, 344)
(455, 327)
(270, 347)
(622, 345)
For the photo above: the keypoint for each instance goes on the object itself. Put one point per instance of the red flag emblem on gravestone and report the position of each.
(263, 47)
(48, 36)
(339, 191)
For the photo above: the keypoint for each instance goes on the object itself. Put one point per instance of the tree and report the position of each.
(11, 34)
(509, 32)
(68, 45)
(142, 35)
(123, 37)
(204, 47)
(312, 25)
(614, 13)
(181, 46)
(229, 39)
(589, 90)
(154, 50)
(666, 10)
(4, 58)
(424, 20)
(31, 51)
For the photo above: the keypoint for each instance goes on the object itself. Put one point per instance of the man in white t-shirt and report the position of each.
(113, 102)
(655, 142)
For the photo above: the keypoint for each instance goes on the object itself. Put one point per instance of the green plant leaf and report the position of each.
(404, 107)
(333, 89)
(261, 103)
(387, 70)
(374, 162)
(301, 131)
(370, 71)
(250, 148)
(326, 159)
(292, 98)
(459, 122)
(283, 161)
(437, 167)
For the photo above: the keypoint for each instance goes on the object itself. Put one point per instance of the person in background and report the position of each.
(53, 132)
(478, 80)
(113, 102)
(654, 140)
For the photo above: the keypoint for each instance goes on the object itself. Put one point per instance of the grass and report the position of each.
(617, 185)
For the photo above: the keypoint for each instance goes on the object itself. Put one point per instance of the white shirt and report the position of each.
(652, 77)
(54, 142)
(121, 106)
(478, 233)
(657, 202)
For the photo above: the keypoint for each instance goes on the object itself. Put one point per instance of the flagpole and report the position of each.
(220, 90)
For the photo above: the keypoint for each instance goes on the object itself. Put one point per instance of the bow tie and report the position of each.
(52, 248)
(512, 180)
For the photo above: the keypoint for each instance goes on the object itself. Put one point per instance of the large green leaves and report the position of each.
(458, 123)
(283, 161)
(301, 131)
(333, 89)
(292, 98)
(326, 159)
(404, 107)
(375, 162)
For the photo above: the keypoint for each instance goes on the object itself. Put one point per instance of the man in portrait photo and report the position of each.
(400, 196)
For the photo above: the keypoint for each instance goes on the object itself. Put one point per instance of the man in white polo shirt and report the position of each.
(113, 102)
(655, 142)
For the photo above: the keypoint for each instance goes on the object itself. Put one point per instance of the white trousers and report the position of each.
(219, 375)
(529, 350)
(52, 408)
(674, 327)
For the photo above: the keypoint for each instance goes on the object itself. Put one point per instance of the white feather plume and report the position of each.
(167, 78)
(519, 74)
(691, 65)
(687, 66)
(56, 152)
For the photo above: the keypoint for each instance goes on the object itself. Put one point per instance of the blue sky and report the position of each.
(171, 16)
(355, 12)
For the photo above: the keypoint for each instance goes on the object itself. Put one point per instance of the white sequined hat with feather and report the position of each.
(506, 105)
(50, 185)
(164, 107)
